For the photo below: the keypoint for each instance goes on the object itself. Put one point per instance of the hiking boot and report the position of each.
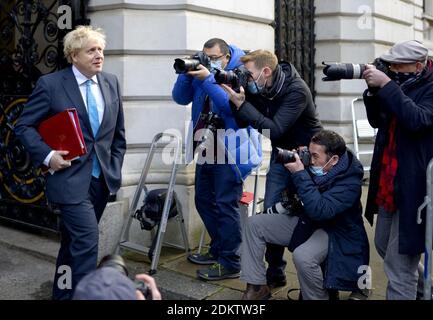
(202, 259)
(217, 272)
(256, 292)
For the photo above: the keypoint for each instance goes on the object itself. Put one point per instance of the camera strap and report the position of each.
(201, 122)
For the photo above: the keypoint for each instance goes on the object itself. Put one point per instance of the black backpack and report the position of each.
(150, 213)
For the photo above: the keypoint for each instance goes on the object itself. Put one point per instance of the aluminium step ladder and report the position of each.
(125, 242)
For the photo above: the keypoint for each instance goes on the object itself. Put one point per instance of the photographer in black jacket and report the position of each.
(276, 99)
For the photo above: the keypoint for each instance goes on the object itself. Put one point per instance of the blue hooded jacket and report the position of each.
(242, 145)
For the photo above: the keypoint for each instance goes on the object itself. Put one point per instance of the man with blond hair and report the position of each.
(80, 188)
(276, 99)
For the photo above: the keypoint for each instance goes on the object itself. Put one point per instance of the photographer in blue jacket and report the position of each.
(224, 160)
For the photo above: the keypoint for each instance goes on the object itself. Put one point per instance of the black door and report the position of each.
(294, 36)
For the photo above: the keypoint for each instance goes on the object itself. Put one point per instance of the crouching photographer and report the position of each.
(110, 282)
(277, 100)
(326, 234)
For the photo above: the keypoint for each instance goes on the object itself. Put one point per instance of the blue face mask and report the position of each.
(253, 87)
(318, 171)
(216, 65)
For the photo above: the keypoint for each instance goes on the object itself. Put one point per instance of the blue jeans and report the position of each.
(277, 179)
(217, 195)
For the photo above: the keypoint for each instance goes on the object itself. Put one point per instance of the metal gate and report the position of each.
(30, 46)
(294, 36)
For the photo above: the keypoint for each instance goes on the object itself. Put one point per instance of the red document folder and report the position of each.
(63, 132)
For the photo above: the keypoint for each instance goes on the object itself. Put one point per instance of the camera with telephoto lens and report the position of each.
(338, 71)
(286, 156)
(183, 65)
(117, 262)
(290, 204)
(234, 78)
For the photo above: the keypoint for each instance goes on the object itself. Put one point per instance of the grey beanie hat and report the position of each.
(406, 52)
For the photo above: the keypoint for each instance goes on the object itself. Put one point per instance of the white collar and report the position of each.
(81, 78)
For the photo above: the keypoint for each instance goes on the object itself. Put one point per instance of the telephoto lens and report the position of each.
(227, 77)
(285, 156)
(185, 65)
(338, 71)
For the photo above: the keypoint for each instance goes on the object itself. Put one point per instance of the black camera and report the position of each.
(191, 63)
(235, 78)
(212, 122)
(338, 71)
(290, 204)
(286, 156)
(117, 262)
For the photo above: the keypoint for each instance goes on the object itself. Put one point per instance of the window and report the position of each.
(428, 20)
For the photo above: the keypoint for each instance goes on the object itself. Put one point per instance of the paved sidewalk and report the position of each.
(27, 264)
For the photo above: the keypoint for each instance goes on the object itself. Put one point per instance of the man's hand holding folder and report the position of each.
(57, 161)
(62, 132)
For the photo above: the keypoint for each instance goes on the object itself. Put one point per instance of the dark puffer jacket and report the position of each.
(290, 116)
(335, 207)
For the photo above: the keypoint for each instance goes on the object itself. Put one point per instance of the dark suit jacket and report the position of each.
(54, 93)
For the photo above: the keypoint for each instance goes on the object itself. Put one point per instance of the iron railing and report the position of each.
(428, 205)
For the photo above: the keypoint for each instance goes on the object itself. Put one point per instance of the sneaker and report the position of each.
(217, 272)
(360, 295)
(202, 259)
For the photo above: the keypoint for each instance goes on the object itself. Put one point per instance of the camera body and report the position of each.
(212, 121)
(338, 71)
(234, 78)
(183, 65)
(117, 262)
(286, 156)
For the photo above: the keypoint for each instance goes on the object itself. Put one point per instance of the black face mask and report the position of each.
(401, 77)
